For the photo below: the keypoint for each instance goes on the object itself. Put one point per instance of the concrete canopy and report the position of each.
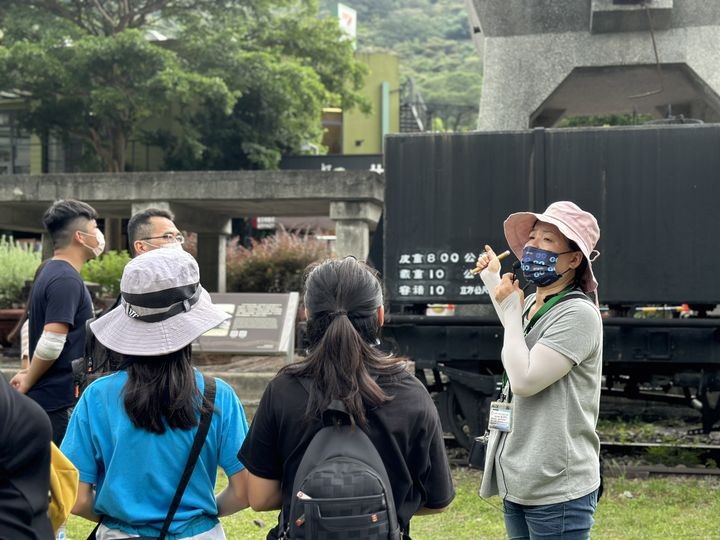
(204, 202)
(200, 200)
(630, 89)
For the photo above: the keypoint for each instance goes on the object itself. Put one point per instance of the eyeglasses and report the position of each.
(168, 237)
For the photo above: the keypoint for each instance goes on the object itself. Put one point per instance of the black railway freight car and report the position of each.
(656, 194)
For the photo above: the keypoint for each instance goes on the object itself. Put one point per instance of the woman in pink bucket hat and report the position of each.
(543, 451)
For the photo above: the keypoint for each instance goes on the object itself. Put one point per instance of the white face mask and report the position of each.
(169, 245)
(100, 237)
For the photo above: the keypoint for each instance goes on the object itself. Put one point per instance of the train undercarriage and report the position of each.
(675, 361)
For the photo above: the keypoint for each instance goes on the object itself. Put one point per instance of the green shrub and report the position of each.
(274, 264)
(18, 263)
(106, 271)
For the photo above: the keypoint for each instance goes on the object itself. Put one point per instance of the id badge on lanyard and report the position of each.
(501, 416)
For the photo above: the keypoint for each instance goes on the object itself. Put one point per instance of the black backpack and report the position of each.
(341, 487)
(97, 361)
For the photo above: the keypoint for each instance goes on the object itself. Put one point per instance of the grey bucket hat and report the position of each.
(163, 307)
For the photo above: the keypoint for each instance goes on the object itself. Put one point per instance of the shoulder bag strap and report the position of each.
(284, 527)
(198, 443)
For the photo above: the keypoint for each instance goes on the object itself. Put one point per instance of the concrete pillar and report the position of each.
(547, 59)
(353, 223)
(211, 254)
(114, 234)
(352, 238)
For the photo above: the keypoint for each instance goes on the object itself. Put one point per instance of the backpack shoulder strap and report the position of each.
(94, 364)
(198, 442)
(335, 413)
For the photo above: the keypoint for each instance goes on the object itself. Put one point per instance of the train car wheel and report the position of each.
(463, 412)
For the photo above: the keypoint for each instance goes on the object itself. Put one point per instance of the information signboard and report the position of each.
(261, 324)
(425, 273)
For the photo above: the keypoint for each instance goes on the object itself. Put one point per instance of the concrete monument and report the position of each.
(547, 59)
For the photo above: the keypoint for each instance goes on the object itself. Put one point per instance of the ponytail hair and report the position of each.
(342, 298)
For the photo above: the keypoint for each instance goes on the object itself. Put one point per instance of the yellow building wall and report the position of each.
(35, 155)
(362, 134)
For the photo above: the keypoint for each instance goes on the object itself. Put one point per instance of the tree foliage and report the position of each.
(237, 83)
(18, 263)
(604, 120)
(100, 89)
(284, 68)
(109, 17)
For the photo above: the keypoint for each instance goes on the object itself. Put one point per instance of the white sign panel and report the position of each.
(348, 21)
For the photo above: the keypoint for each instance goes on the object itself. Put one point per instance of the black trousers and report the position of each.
(59, 420)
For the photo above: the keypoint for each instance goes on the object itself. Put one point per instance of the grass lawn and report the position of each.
(665, 508)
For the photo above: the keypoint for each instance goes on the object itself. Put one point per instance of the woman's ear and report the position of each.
(381, 315)
(576, 259)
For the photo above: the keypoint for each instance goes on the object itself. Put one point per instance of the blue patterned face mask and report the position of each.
(538, 266)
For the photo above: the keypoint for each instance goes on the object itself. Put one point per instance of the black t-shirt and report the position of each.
(406, 432)
(58, 296)
(24, 467)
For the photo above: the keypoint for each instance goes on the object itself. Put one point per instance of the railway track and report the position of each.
(630, 459)
(629, 447)
(646, 471)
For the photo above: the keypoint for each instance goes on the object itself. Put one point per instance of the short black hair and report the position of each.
(65, 217)
(139, 225)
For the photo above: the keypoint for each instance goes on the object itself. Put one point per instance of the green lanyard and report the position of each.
(544, 309)
(535, 318)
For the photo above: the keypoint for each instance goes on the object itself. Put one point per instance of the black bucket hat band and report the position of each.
(161, 305)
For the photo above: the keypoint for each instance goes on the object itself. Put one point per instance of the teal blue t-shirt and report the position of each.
(137, 472)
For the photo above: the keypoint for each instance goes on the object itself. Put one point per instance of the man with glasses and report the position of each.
(151, 229)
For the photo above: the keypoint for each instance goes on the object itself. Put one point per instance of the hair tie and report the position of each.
(337, 313)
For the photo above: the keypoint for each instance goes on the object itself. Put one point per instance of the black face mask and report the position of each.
(538, 266)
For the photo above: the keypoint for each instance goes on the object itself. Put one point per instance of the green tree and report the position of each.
(606, 120)
(109, 17)
(237, 84)
(93, 87)
(100, 89)
(453, 96)
(283, 67)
